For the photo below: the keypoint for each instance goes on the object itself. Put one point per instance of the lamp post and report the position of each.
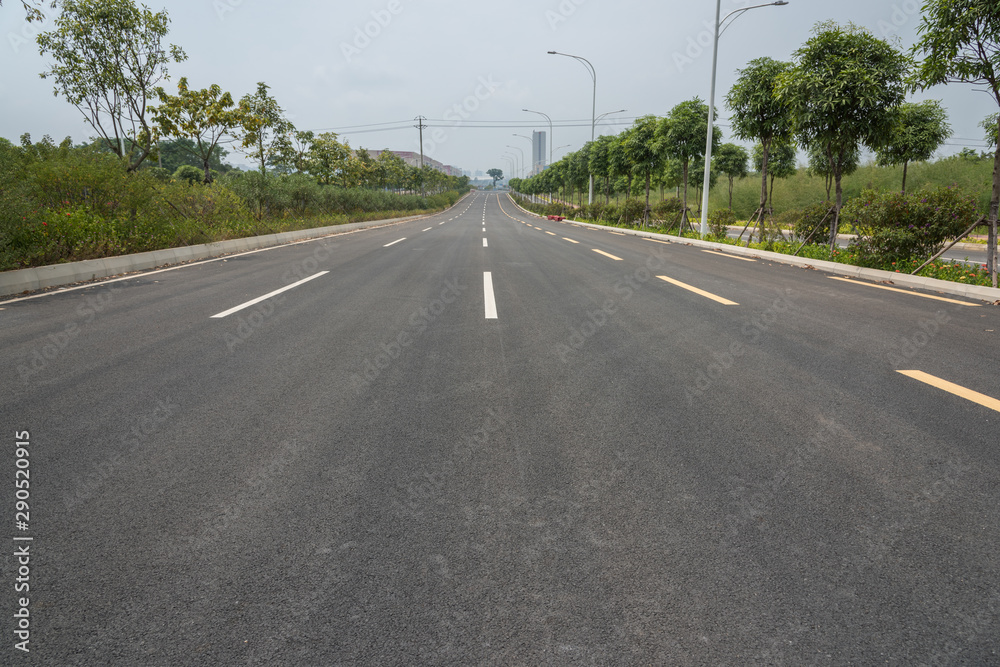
(509, 157)
(711, 101)
(550, 129)
(608, 113)
(593, 108)
(521, 151)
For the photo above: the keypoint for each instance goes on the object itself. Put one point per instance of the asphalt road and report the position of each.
(446, 445)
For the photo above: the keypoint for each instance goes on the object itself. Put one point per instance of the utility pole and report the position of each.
(420, 126)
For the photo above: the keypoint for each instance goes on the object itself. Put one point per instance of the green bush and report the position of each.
(893, 226)
(189, 173)
(631, 212)
(809, 218)
(719, 221)
(668, 209)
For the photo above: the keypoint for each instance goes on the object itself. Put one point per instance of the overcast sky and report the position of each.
(466, 66)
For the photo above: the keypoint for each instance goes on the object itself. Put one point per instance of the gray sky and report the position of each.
(467, 65)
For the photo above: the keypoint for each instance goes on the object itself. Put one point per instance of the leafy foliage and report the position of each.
(893, 226)
(108, 61)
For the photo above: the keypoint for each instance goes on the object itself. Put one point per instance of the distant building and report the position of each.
(538, 161)
(413, 159)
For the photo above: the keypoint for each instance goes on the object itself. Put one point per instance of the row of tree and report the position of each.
(845, 89)
(109, 60)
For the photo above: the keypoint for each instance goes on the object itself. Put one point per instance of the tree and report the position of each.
(108, 62)
(33, 9)
(960, 42)
(327, 158)
(991, 125)
(600, 161)
(842, 93)
(920, 128)
(202, 116)
(644, 149)
(781, 161)
(294, 153)
(496, 175)
(264, 130)
(758, 115)
(819, 165)
(619, 162)
(731, 160)
(683, 135)
(174, 153)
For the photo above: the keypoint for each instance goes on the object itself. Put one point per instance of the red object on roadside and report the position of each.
(556, 217)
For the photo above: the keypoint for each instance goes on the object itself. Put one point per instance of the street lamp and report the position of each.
(610, 112)
(532, 142)
(521, 151)
(593, 108)
(550, 129)
(711, 101)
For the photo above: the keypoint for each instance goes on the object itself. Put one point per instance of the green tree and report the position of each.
(600, 161)
(33, 9)
(758, 114)
(683, 134)
(173, 153)
(204, 117)
(819, 164)
(294, 153)
(264, 130)
(495, 174)
(644, 148)
(327, 158)
(991, 125)
(781, 161)
(960, 42)
(919, 129)
(108, 62)
(842, 93)
(731, 160)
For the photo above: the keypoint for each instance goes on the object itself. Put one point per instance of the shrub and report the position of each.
(809, 218)
(893, 226)
(719, 221)
(668, 210)
(189, 173)
(631, 212)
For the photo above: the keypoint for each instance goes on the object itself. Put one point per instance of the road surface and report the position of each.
(484, 438)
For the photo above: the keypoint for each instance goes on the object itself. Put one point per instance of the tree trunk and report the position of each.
(645, 213)
(684, 209)
(730, 193)
(991, 243)
(770, 196)
(765, 150)
(905, 164)
(836, 211)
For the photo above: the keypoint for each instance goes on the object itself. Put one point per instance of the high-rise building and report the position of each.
(538, 159)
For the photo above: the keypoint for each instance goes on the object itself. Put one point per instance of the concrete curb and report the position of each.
(989, 294)
(28, 280)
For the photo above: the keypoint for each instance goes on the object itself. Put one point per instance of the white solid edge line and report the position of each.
(491, 302)
(240, 307)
